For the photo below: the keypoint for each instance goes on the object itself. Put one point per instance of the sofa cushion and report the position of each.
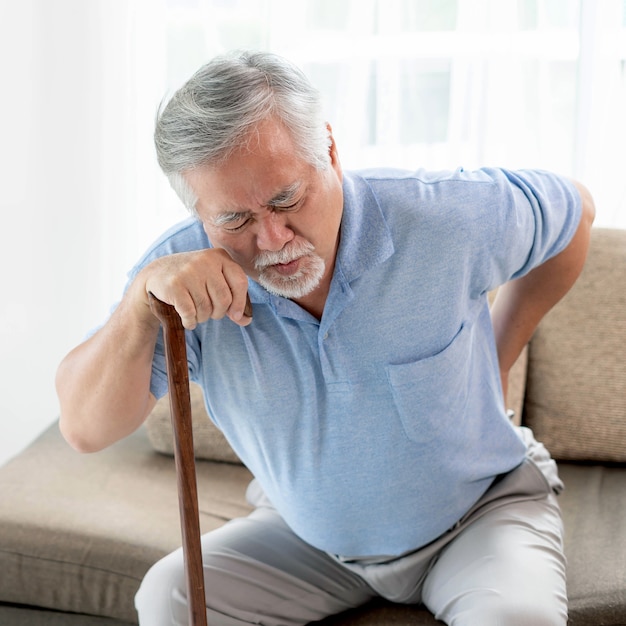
(78, 532)
(11, 615)
(594, 510)
(208, 441)
(576, 387)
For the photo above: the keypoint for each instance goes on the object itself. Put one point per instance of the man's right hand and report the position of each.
(200, 285)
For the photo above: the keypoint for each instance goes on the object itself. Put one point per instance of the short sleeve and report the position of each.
(527, 217)
(555, 206)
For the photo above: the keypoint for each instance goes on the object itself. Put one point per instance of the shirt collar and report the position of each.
(365, 237)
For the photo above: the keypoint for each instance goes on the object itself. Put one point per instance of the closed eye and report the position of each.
(232, 221)
(234, 229)
(289, 207)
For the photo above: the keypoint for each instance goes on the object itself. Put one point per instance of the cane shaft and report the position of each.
(180, 406)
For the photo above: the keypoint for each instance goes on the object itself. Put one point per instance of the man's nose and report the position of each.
(273, 232)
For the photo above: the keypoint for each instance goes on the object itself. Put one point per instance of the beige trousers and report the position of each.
(501, 565)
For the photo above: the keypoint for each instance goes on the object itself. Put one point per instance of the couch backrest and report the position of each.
(575, 399)
(208, 441)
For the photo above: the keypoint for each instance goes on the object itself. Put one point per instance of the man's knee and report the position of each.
(161, 598)
(522, 613)
(492, 608)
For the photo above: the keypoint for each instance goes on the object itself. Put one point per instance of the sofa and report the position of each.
(78, 532)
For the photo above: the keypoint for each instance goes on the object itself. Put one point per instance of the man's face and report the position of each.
(276, 215)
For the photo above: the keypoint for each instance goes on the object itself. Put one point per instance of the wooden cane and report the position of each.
(180, 407)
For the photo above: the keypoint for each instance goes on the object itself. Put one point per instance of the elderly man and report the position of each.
(366, 392)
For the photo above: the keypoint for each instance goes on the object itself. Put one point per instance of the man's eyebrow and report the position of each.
(228, 217)
(286, 196)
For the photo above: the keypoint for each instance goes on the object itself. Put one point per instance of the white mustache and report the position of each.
(292, 251)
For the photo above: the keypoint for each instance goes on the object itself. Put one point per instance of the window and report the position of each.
(433, 83)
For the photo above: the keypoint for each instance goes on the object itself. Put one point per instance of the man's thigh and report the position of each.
(256, 571)
(507, 567)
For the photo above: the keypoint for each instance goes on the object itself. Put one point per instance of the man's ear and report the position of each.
(332, 150)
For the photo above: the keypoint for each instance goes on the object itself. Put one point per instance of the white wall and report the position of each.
(51, 202)
(80, 80)
(45, 182)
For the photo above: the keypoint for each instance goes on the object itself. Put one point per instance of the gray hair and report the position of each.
(211, 114)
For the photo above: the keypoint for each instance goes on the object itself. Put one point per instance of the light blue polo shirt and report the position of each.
(375, 429)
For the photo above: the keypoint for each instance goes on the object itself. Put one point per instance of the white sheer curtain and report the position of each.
(69, 224)
(410, 83)
(434, 83)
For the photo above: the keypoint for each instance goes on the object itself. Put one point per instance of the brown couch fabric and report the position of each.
(12, 615)
(576, 387)
(81, 531)
(594, 515)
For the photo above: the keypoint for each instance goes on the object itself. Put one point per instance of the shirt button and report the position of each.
(326, 336)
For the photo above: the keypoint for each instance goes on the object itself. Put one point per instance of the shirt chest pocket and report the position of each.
(430, 394)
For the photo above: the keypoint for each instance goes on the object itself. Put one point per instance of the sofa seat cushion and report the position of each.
(78, 532)
(594, 510)
(11, 615)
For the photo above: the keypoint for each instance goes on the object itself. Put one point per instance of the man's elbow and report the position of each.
(76, 438)
(588, 206)
(576, 251)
